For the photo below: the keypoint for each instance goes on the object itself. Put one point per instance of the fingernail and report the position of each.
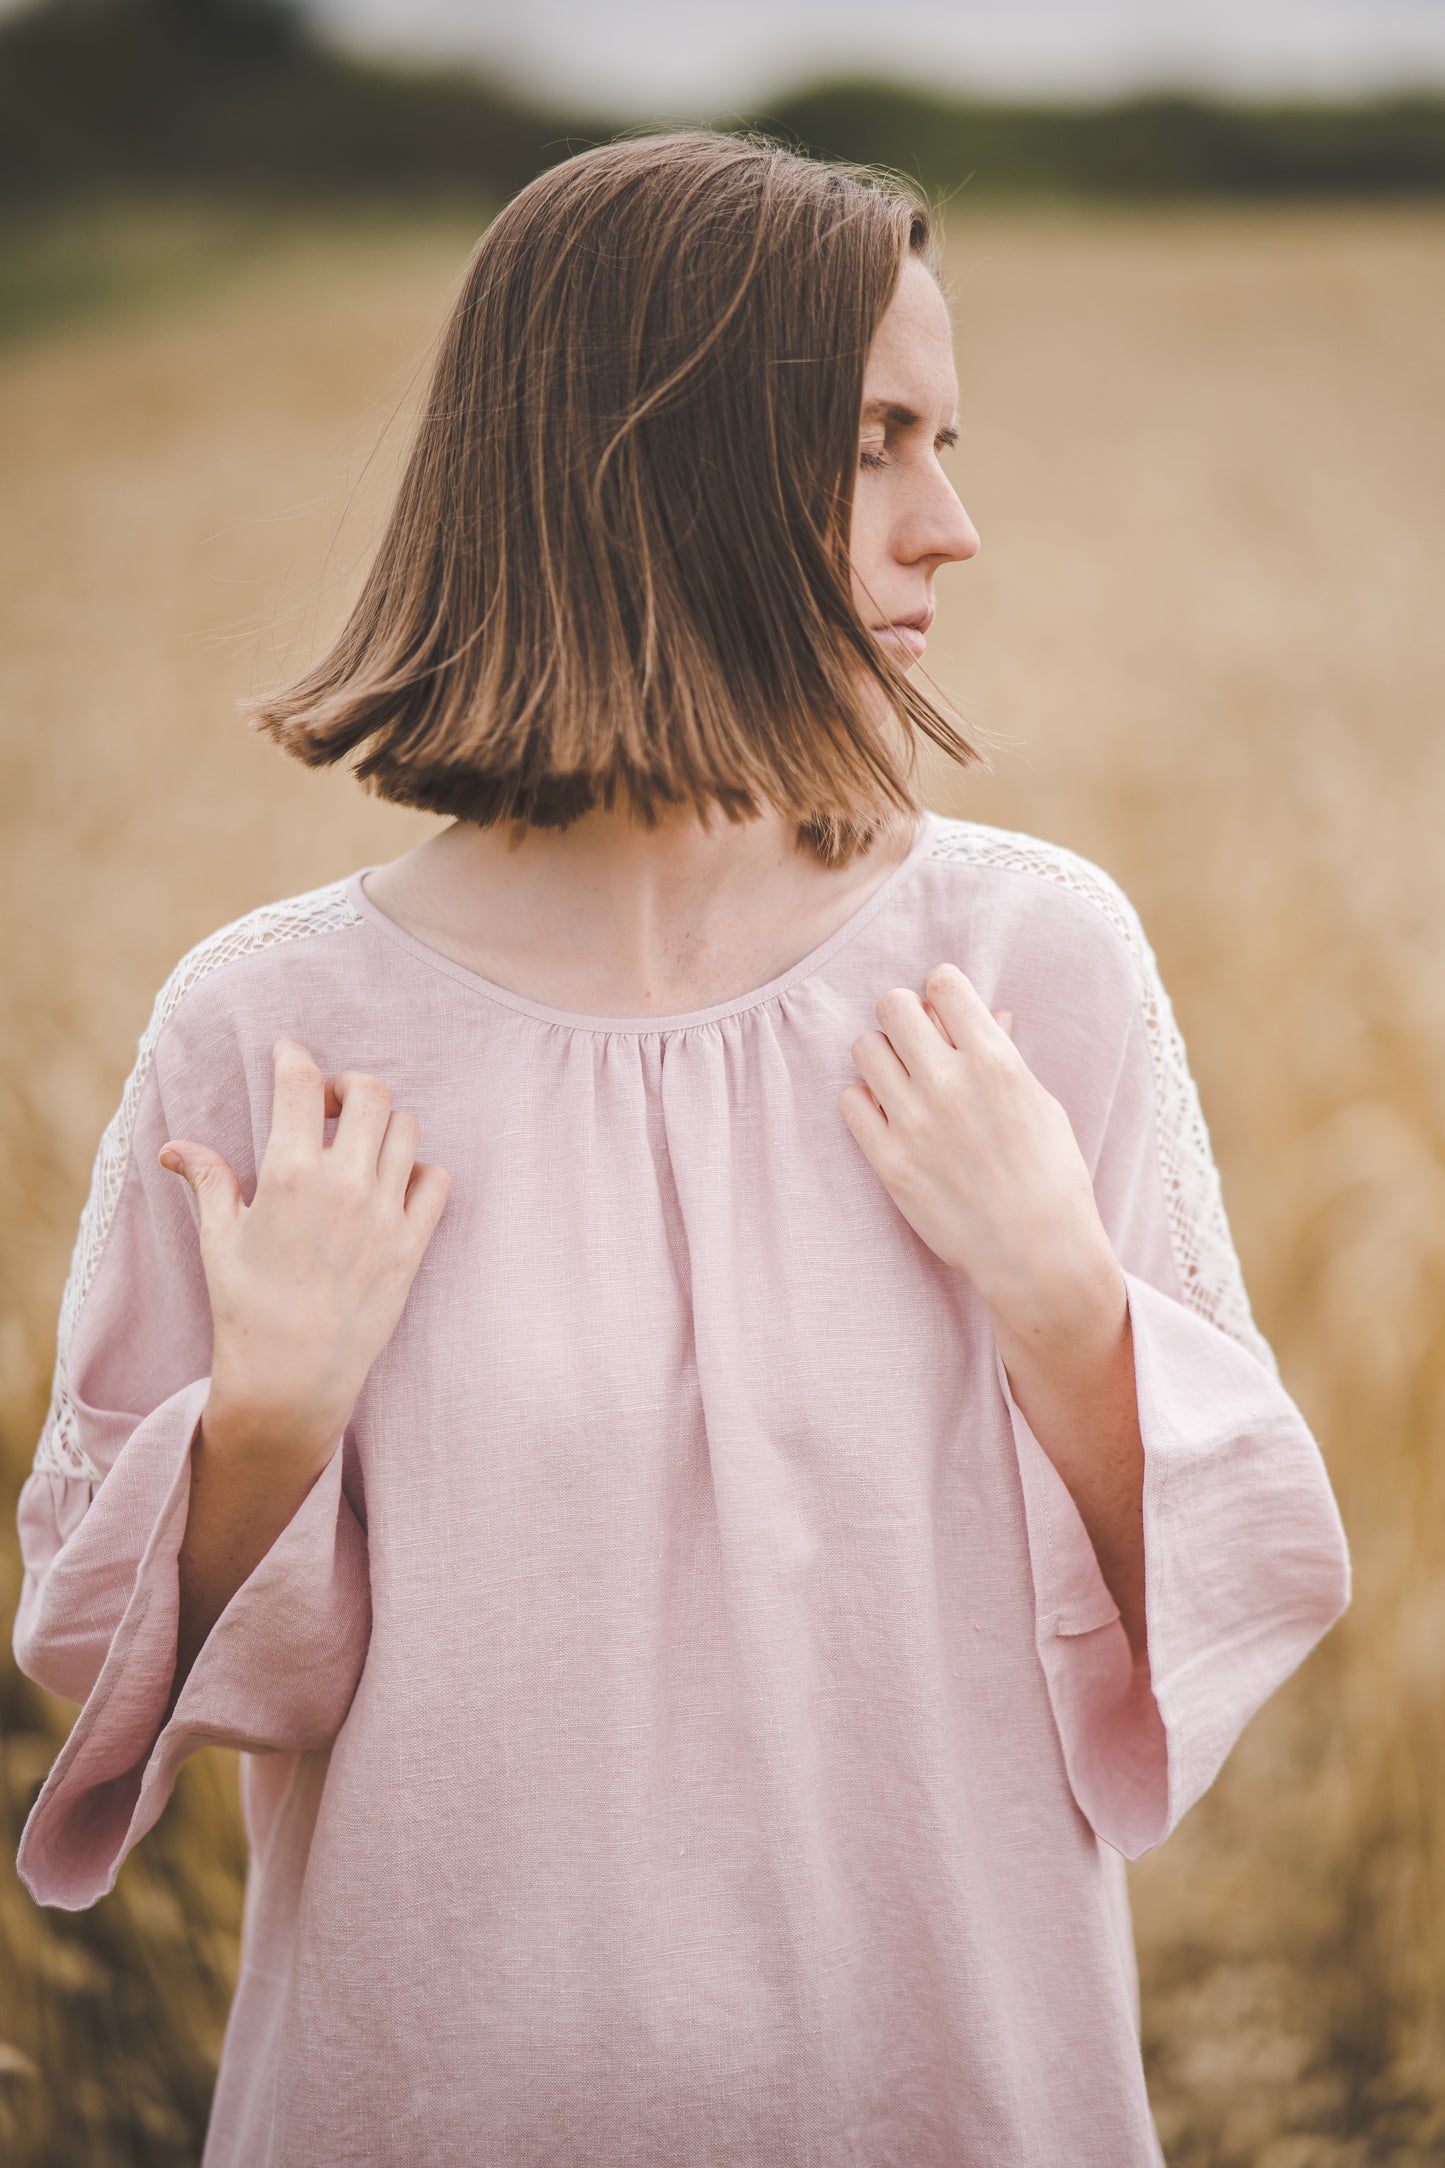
(172, 1161)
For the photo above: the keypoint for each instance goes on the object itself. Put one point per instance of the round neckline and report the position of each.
(646, 1026)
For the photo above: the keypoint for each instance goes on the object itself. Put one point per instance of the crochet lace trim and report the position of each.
(320, 910)
(1210, 1278)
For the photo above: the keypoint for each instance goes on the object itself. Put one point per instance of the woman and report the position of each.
(709, 1585)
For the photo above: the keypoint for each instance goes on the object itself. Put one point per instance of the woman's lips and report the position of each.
(910, 638)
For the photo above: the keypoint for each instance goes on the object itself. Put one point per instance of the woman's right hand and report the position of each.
(308, 1281)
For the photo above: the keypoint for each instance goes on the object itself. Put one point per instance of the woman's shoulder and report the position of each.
(1051, 871)
(291, 965)
(262, 933)
(1044, 888)
(249, 958)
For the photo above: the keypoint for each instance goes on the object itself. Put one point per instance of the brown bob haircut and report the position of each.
(616, 568)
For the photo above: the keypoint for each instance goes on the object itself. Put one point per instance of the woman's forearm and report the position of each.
(1073, 1379)
(984, 1165)
(245, 1488)
(306, 1284)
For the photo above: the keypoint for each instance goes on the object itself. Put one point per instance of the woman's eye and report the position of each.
(872, 459)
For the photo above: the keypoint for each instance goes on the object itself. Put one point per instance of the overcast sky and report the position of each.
(671, 58)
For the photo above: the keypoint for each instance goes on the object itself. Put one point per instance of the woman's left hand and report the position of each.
(979, 1158)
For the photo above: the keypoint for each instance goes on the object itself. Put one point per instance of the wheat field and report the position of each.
(1204, 451)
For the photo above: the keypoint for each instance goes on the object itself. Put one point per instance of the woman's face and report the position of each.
(907, 518)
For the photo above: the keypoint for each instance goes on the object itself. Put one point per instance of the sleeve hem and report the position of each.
(277, 1671)
(1110, 1729)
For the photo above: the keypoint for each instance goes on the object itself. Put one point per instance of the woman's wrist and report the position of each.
(267, 1437)
(1062, 1312)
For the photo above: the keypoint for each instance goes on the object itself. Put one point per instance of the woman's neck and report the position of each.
(609, 918)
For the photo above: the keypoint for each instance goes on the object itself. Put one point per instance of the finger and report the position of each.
(365, 1103)
(959, 1003)
(398, 1154)
(210, 1177)
(1004, 1018)
(880, 1069)
(298, 1104)
(937, 1022)
(865, 1118)
(914, 1039)
(426, 1196)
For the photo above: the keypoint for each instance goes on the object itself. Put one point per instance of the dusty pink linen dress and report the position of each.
(686, 1723)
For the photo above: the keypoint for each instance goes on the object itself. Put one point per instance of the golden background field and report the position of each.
(1205, 454)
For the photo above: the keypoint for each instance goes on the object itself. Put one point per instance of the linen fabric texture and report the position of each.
(686, 1721)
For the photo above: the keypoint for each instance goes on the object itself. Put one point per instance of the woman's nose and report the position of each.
(966, 536)
(944, 531)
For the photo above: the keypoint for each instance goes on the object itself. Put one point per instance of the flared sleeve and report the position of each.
(103, 1512)
(1246, 1565)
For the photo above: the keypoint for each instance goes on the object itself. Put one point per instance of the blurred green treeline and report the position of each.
(149, 146)
(225, 95)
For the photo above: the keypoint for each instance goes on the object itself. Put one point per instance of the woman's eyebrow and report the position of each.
(903, 417)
